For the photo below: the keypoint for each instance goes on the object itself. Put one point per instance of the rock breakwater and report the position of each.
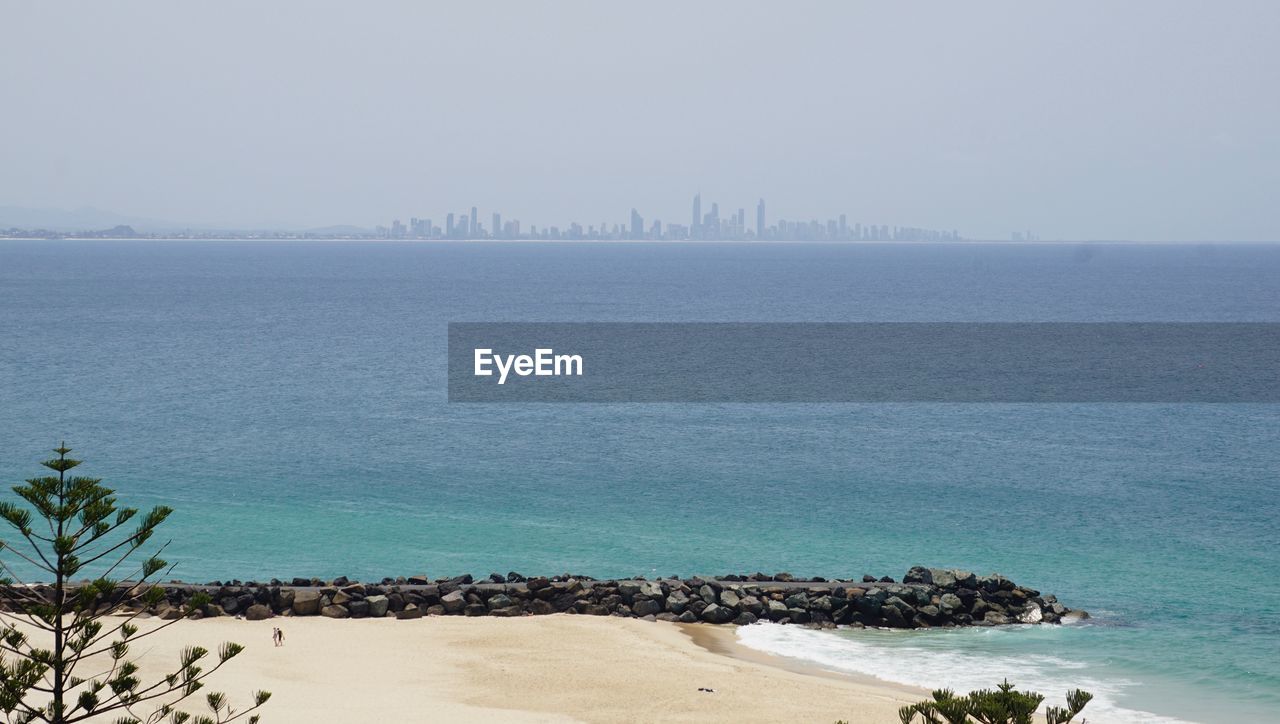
(925, 597)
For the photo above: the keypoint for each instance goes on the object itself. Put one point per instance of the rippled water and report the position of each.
(288, 400)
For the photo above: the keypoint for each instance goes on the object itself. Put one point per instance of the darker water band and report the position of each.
(866, 362)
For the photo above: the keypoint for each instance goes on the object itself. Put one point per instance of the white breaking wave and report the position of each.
(947, 668)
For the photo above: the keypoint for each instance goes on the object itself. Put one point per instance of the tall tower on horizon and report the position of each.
(696, 227)
(637, 225)
(760, 219)
(473, 226)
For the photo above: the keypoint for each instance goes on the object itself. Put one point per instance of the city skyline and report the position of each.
(705, 226)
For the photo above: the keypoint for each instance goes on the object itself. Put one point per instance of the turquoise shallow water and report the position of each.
(288, 400)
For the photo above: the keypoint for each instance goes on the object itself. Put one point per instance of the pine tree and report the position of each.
(51, 630)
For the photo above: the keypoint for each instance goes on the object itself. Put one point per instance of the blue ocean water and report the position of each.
(288, 399)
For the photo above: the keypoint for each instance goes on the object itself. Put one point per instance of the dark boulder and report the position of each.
(378, 605)
(257, 612)
(453, 602)
(645, 607)
(918, 574)
(799, 615)
(997, 619)
(677, 602)
(715, 613)
(334, 611)
(942, 578)
(950, 603)
(564, 601)
(306, 602)
(797, 600)
(776, 610)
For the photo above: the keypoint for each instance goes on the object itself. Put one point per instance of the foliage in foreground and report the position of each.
(1002, 705)
(77, 533)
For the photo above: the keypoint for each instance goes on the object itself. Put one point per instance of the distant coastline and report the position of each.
(26, 235)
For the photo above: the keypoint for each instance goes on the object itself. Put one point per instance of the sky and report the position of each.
(1144, 120)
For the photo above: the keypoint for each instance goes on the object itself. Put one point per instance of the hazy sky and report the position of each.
(1082, 120)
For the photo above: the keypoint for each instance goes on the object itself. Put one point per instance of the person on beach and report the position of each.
(277, 636)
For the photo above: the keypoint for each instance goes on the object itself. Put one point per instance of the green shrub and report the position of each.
(1002, 705)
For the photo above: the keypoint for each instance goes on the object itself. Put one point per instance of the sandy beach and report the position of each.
(537, 669)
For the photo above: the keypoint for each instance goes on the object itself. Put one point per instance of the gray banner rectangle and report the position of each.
(864, 362)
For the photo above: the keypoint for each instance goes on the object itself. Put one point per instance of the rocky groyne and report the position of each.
(925, 597)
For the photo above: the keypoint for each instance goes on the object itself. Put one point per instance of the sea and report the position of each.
(288, 400)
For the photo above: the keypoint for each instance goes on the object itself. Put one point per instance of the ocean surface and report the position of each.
(288, 399)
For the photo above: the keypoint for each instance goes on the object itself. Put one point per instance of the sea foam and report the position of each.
(906, 657)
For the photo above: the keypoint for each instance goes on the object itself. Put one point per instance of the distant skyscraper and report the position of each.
(497, 226)
(448, 227)
(637, 225)
(760, 219)
(695, 230)
(472, 226)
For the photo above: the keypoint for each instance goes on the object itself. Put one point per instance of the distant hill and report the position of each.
(83, 219)
(88, 218)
